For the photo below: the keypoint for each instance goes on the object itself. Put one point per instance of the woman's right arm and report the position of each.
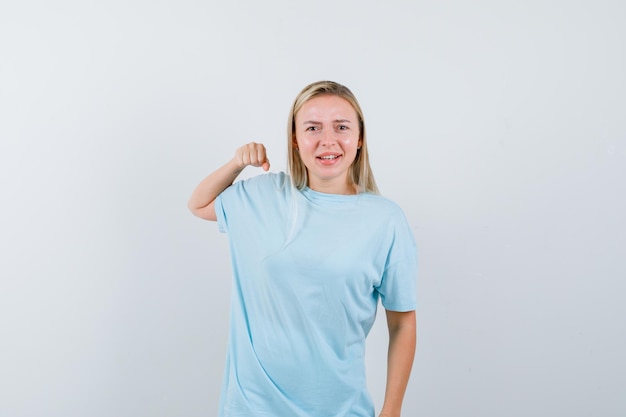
(201, 202)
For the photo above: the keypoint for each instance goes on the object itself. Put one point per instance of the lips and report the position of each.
(329, 159)
(328, 156)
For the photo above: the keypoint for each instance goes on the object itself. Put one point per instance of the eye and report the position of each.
(342, 127)
(312, 128)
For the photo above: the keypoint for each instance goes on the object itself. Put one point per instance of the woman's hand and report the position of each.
(252, 154)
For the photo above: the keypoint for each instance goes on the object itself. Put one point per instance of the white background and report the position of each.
(499, 127)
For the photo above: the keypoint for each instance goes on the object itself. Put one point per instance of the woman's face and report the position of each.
(327, 138)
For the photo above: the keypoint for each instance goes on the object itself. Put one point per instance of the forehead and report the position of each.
(327, 107)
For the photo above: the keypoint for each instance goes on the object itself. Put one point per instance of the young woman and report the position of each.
(312, 253)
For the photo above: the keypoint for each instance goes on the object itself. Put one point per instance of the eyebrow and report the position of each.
(313, 122)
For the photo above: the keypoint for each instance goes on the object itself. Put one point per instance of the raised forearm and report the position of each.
(210, 187)
(201, 200)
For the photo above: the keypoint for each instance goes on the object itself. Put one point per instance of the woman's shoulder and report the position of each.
(384, 209)
(270, 182)
(277, 179)
(381, 202)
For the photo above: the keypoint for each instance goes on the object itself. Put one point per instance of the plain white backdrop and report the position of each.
(499, 127)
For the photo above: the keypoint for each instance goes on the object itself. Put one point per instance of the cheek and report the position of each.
(351, 142)
(303, 143)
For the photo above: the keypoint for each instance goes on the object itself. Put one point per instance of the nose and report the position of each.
(327, 138)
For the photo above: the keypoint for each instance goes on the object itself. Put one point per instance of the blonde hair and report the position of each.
(360, 171)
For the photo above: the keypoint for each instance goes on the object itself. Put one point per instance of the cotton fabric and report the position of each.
(308, 271)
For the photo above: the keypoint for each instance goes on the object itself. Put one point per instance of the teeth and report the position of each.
(329, 157)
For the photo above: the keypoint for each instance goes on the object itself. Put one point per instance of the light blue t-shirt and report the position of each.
(309, 269)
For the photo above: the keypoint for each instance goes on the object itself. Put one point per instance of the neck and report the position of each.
(330, 187)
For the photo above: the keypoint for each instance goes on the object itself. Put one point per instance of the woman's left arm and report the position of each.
(402, 338)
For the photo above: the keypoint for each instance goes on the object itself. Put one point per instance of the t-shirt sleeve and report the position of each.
(236, 202)
(220, 212)
(398, 286)
(232, 203)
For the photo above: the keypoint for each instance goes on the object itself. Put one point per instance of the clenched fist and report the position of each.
(252, 154)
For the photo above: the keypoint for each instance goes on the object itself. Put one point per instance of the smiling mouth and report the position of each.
(328, 157)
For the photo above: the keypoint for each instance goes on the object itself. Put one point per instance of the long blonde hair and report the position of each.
(360, 171)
